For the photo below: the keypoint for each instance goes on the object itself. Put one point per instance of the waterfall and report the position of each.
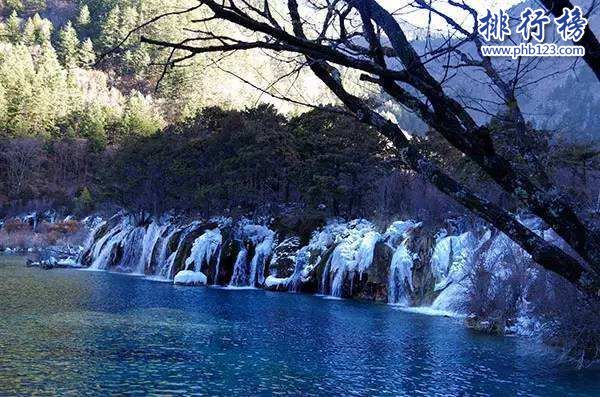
(97, 224)
(170, 263)
(239, 276)
(398, 231)
(366, 249)
(203, 249)
(252, 274)
(103, 248)
(450, 262)
(400, 283)
(400, 276)
(217, 267)
(337, 260)
(352, 256)
(257, 265)
(132, 246)
(299, 274)
(151, 238)
(162, 269)
(450, 258)
(340, 263)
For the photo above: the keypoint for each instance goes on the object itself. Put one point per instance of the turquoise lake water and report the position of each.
(93, 333)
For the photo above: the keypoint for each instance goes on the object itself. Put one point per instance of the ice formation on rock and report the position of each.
(400, 283)
(351, 257)
(204, 249)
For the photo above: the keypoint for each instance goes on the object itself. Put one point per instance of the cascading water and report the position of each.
(451, 260)
(103, 248)
(239, 277)
(450, 256)
(252, 274)
(340, 263)
(300, 273)
(151, 238)
(157, 249)
(352, 256)
(163, 255)
(204, 249)
(170, 263)
(98, 224)
(400, 283)
(202, 252)
(131, 245)
(261, 255)
(400, 277)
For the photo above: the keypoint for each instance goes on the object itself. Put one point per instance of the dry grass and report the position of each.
(20, 235)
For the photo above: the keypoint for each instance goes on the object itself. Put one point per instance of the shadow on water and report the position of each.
(99, 333)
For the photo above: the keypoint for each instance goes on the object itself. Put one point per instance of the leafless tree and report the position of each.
(365, 37)
(20, 161)
(588, 40)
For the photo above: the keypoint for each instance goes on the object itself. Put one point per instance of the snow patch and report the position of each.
(189, 277)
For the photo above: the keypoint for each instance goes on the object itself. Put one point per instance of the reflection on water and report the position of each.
(66, 331)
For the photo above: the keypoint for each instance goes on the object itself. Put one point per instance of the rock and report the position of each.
(185, 244)
(283, 261)
(421, 244)
(317, 262)
(373, 284)
(273, 283)
(228, 254)
(189, 277)
(300, 222)
(488, 326)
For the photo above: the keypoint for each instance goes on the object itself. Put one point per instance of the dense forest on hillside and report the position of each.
(88, 120)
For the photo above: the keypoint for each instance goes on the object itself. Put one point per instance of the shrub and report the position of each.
(571, 321)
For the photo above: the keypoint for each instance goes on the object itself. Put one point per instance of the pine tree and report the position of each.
(83, 19)
(17, 72)
(140, 116)
(13, 28)
(49, 91)
(136, 59)
(68, 46)
(3, 107)
(129, 21)
(87, 56)
(111, 29)
(28, 37)
(43, 29)
(14, 5)
(93, 125)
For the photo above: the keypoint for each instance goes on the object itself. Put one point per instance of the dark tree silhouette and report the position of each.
(589, 40)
